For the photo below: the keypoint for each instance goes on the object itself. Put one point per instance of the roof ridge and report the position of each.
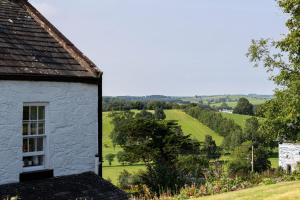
(60, 38)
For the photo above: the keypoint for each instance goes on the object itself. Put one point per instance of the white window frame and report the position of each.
(44, 136)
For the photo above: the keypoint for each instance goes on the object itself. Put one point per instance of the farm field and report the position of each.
(280, 191)
(192, 126)
(189, 126)
(238, 119)
(234, 103)
(231, 99)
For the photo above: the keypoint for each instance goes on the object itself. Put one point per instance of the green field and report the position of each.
(238, 119)
(280, 191)
(192, 126)
(113, 172)
(231, 99)
(189, 126)
(234, 103)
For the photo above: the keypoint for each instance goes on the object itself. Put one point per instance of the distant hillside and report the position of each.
(238, 119)
(189, 126)
(192, 126)
(213, 99)
(230, 100)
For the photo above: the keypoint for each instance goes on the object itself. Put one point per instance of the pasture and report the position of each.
(189, 125)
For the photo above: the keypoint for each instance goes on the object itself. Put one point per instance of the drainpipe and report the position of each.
(99, 157)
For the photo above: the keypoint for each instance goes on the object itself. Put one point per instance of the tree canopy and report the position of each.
(243, 107)
(281, 59)
(161, 146)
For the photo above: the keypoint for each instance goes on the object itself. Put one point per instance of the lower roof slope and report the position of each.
(87, 186)
(32, 47)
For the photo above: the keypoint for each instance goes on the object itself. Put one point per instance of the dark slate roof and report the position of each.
(30, 46)
(86, 186)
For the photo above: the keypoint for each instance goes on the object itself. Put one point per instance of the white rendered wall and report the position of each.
(71, 126)
(289, 154)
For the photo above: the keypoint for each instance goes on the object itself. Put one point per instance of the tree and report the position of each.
(126, 157)
(159, 145)
(159, 113)
(110, 157)
(210, 148)
(251, 129)
(282, 60)
(243, 107)
(241, 162)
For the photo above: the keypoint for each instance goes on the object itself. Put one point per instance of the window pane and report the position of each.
(40, 144)
(41, 113)
(33, 113)
(25, 145)
(40, 160)
(25, 128)
(32, 161)
(41, 129)
(31, 144)
(27, 162)
(33, 128)
(26, 113)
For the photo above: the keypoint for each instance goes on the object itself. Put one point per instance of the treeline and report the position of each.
(232, 133)
(119, 104)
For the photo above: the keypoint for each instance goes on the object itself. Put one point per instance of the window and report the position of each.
(33, 137)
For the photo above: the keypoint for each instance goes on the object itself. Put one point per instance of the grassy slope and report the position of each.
(189, 126)
(281, 191)
(192, 126)
(239, 119)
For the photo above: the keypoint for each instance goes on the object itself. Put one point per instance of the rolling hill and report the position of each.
(189, 126)
(238, 119)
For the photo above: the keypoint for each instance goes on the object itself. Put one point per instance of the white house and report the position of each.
(289, 156)
(50, 99)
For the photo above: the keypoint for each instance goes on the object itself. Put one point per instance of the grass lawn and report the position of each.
(113, 172)
(281, 191)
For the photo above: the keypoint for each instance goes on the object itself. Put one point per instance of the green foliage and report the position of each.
(158, 144)
(243, 107)
(110, 157)
(282, 59)
(126, 158)
(210, 148)
(213, 120)
(159, 113)
(225, 127)
(241, 162)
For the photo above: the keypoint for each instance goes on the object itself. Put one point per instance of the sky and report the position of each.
(170, 47)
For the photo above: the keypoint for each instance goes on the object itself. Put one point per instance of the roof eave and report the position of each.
(50, 78)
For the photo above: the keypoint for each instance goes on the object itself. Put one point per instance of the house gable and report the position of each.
(31, 48)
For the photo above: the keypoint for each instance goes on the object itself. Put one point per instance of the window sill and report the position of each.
(36, 175)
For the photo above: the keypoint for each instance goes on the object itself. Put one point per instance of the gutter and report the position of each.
(100, 126)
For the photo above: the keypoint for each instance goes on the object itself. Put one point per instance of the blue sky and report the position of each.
(170, 47)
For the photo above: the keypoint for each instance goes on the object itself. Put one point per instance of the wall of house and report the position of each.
(71, 126)
(289, 154)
